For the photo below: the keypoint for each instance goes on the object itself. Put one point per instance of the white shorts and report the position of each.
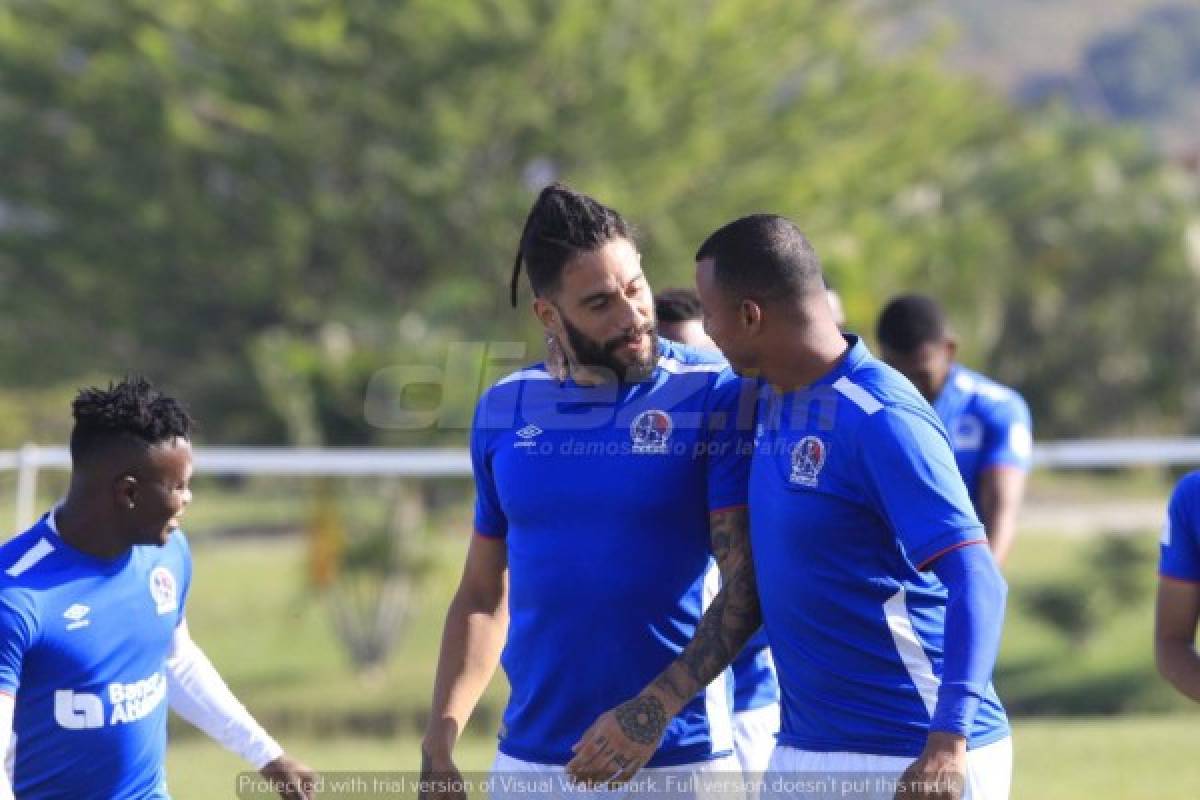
(811, 775)
(754, 741)
(719, 779)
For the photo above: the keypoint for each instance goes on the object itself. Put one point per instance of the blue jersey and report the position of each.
(83, 645)
(988, 424)
(603, 495)
(853, 491)
(1180, 552)
(754, 681)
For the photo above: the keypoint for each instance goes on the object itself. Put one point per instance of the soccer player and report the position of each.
(755, 688)
(601, 502)
(1178, 607)
(93, 640)
(989, 424)
(865, 559)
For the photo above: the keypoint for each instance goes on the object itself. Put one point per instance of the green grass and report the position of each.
(1123, 758)
(251, 608)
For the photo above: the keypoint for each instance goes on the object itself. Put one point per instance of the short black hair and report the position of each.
(677, 305)
(129, 412)
(763, 256)
(910, 321)
(561, 224)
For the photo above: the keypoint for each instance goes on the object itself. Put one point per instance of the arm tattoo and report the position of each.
(642, 719)
(731, 618)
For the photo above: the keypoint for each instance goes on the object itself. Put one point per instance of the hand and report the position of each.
(293, 780)
(619, 742)
(940, 771)
(440, 779)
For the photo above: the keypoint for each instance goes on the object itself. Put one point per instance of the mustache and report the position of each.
(630, 338)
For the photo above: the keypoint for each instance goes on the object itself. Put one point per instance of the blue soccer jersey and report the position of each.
(989, 425)
(754, 681)
(853, 492)
(602, 495)
(83, 645)
(1180, 552)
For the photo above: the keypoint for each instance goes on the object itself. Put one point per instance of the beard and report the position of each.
(594, 354)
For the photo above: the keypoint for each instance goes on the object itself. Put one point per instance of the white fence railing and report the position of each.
(440, 463)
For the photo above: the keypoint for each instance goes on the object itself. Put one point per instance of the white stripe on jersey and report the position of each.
(676, 367)
(860, 396)
(32, 556)
(717, 705)
(526, 375)
(915, 659)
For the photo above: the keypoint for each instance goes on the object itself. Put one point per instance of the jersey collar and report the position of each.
(850, 361)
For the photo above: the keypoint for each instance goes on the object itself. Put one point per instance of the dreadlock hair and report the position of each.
(562, 224)
(131, 412)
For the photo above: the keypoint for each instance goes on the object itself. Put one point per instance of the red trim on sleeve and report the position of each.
(728, 508)
(942, 552)
(8, 694)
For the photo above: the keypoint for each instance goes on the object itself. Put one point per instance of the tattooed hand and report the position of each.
(620, 742)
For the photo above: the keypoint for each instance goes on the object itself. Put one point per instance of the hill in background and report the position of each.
(1130, 61)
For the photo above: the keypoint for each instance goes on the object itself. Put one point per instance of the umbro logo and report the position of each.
(527, 434)
(529, 431)
(76, 617)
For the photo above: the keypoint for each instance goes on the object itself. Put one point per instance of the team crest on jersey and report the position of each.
(651, 431)
(808, 457)
(163, 590)
(968, 433)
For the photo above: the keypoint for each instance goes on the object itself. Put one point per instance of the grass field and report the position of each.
(1124, 758)
(1092, 718)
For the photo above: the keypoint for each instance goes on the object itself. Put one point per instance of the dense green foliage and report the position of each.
(261, 203)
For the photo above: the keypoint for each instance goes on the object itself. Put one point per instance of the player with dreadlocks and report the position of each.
(602, 499)
(93, 641)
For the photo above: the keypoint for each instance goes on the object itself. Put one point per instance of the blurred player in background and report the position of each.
(988, 424)
(864, 559)
(602, 497)
(1178, 608)
(755, 688)
(94, 644)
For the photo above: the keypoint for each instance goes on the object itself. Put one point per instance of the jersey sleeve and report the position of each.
(489, 516)
(729, 410)
(914, 484)
(1179, 556)
(17, 631)
(1008, 438)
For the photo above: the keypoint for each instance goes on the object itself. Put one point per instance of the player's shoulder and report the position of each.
(673, 356)
(27, 554)
(677, 360)
(507, 390)
(872, 387)
(987, 393)
(514, 381)
(28, 568)
(1187, 492)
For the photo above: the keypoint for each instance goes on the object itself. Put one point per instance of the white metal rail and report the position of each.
(440, 463)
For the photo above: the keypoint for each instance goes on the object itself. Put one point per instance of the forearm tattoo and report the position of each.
(731, 619)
